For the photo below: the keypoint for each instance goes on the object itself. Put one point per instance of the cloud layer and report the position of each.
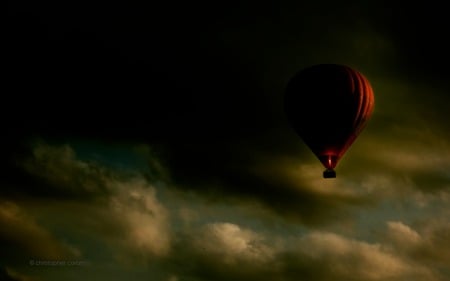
(175, 234)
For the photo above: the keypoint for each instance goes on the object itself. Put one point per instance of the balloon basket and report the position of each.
(329, 173)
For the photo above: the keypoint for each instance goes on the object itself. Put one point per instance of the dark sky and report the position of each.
(147, 140)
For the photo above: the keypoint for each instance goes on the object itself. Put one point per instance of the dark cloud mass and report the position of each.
(148, 140)
(133, 226)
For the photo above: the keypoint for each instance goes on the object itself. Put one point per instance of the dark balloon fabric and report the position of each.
(328, 105)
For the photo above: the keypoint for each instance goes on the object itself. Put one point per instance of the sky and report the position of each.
(148, 141)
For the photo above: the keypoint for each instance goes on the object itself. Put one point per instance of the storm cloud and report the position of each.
(139, 224)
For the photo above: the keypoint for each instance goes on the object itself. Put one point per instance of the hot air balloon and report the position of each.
(328, 105)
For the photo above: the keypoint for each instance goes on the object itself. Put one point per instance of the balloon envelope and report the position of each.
(328, 105)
